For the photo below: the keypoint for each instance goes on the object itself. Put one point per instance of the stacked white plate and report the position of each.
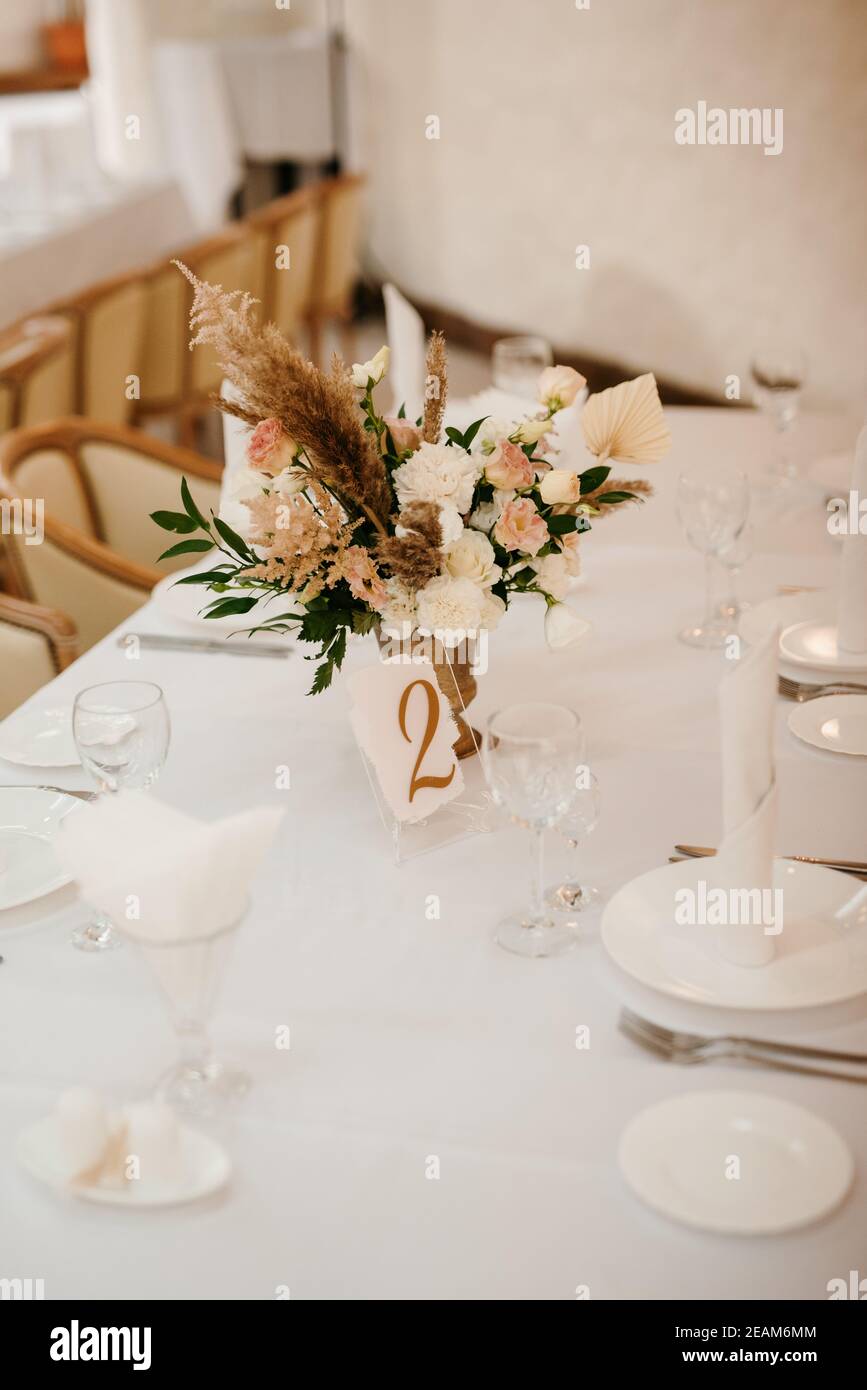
(809, 653)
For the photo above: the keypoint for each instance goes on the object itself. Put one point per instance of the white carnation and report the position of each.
(471, 556)
(493, 609)
(400, 607)
(449, 609)
(437, 473)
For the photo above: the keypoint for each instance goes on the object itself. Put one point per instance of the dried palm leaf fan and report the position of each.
(626, 423)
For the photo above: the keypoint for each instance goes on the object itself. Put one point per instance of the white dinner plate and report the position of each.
(184, 601)
(206, 1168)
(737, 1162)
(835, 722)
(821, 953)
(39, 738)
(29, 818)
(813, 643)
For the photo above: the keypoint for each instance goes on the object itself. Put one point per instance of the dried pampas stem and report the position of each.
(414, 558)
(275, 381)
(436, 388)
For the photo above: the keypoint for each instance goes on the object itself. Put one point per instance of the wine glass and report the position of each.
(779, 369)
(532, 755)
(121, 731)
(518, 362)
(732, 559)
(189, 971)
(712, 504)
(579, 821)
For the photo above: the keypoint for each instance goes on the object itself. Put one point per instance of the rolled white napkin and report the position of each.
(745, 859)
(852, 600)
(161, 875)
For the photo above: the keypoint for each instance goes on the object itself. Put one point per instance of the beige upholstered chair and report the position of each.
(336, 260)
(99, 484)
(286, 233)
(107, 321)
(36, 372)
(35, 644)
(175, 381)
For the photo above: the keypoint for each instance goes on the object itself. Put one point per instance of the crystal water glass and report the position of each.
(517, 364)
(532, 756)
(122, 733)
(779, 369)
(712, 505)
(580, 820)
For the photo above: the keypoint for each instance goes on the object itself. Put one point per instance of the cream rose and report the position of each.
(558, 386)
(560, 485)
(521, 527)
(508, 466)
(531, 431)
(368, 373)
(471, 556)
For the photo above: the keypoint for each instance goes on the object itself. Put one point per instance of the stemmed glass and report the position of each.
(189, 971)
(121, 731)
(732, 559)
(533, 755)
(712, 505)
(518, 362)
(579, 821)
(779, 370)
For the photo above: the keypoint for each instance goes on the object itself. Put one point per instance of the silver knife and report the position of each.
(154, 641)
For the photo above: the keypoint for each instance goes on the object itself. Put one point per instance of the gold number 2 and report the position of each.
(433, 719)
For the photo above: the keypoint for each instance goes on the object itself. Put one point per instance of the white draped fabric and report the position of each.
(413, 1036)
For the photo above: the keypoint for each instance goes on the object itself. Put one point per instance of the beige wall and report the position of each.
(557, 128)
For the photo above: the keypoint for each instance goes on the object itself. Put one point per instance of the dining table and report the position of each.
(431, 1117)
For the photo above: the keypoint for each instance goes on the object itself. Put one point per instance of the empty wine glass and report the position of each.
(712, 504)
(518, 362)
(732, 559)
(121, 731)
(579, 821)
(189, 972)
(532, 755)
(779, 369)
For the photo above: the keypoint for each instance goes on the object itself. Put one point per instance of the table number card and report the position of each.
(404, 726)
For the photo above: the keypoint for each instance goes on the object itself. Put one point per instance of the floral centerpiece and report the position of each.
(364, 522)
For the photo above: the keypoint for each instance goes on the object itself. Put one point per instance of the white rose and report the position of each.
(449, 608)
(290, 481)
(493, 609)
(242, 486)
(437, 473)
(371, 372)
(553, 575)
(558, 386)
(531, 431)
(560, 485)
(486, 516)
(471, 556)
(563, 627)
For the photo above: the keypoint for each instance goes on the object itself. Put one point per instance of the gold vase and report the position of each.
(456, 681)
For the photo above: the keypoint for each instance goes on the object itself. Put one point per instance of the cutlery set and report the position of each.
(163, 642)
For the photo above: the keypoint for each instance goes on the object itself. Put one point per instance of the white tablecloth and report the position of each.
(133, 228)
(413, 1038)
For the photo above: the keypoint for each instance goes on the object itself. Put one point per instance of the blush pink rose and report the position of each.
(520, 527)
(508, 466)
(405, 434)
(269, 448)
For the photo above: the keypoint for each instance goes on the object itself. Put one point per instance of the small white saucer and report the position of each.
(821, 954)
(813, 643)
(206, 1168)
(681, 1157)
(29, 817)
(835, 722)
(39, 738)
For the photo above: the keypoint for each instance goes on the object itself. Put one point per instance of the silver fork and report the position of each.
(804, 690)
(691, 1048)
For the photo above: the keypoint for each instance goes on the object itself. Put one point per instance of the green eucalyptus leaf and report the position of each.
(186, 548)
(175, 521)
(190, 507)
(592, 478)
